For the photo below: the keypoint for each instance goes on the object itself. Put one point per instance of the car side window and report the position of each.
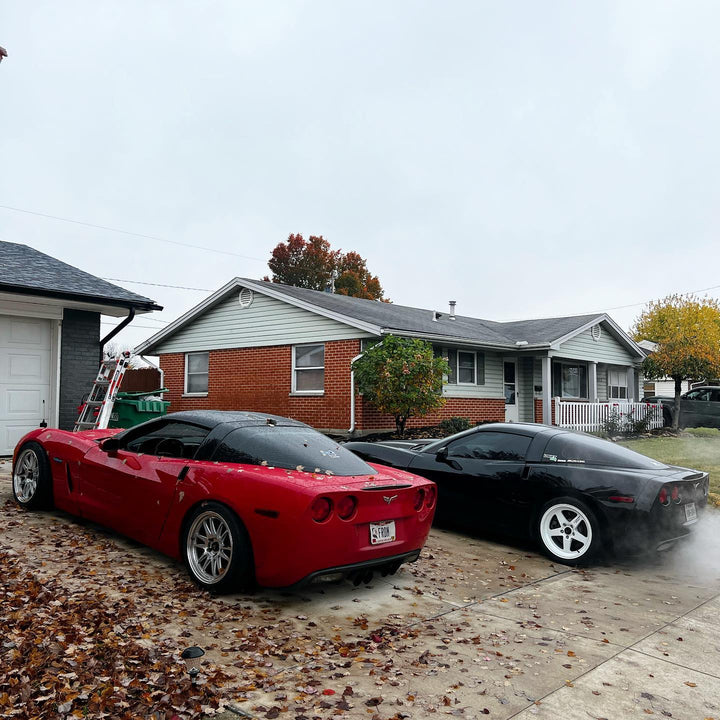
(172, 439)
(698, 395)
(715, 396)
(490, 446)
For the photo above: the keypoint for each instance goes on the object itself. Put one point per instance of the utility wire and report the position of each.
(141, 282)
(128, 232)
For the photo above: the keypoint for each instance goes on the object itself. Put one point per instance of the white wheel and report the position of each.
(568, 531)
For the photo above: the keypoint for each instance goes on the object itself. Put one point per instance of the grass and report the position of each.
(697, 448)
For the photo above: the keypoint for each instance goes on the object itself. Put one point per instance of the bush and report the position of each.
(453, 425)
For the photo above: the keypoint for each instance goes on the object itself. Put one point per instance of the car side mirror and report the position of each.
(442, 454)
(110, 445)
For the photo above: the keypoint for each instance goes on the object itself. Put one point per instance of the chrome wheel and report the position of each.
(209, 547)
(26, 476)
(566, 531)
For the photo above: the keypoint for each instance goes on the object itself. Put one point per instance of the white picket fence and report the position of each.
(591, 417)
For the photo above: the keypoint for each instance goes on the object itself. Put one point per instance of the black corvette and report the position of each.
(574, 493)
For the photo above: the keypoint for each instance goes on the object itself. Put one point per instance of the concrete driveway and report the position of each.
(476, 628)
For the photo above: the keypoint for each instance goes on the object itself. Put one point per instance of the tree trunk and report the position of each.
(400, 421)
(676, 414)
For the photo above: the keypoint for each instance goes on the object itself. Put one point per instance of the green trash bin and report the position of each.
(133, 408)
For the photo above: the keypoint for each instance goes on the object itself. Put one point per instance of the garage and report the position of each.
(50, 338)
(25, 377)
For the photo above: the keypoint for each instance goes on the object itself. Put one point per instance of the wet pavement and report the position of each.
(476, 628)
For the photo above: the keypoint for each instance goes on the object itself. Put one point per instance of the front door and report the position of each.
(510, 387)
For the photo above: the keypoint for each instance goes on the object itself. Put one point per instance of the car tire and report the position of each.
(31, 478)
(216, 549)
(568, 531)
(667, 418)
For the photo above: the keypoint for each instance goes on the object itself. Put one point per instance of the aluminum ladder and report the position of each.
(95, 413)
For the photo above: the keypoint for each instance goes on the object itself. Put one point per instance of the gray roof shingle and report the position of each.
(24, 269)
(416, 320)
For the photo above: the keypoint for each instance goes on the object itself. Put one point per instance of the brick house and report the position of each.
(50, 338)
(263, 346)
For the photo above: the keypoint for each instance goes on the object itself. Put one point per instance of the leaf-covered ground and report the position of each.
(91, 626)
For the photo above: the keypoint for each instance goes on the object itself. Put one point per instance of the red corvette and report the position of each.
(241, 497)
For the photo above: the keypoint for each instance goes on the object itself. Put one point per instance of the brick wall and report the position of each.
(79, 361)
(477, 409)
(260, 379)
(539, 411)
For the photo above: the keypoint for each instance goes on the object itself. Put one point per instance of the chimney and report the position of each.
(452, 309)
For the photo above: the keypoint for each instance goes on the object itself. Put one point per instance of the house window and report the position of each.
(617, 385)
(466, 367)
(196, 373)
(569, 379)
(308, 368)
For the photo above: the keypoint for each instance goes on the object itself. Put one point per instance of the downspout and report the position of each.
(351, 429)
(116, 330)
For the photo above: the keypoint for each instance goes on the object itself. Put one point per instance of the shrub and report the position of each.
(453, 425)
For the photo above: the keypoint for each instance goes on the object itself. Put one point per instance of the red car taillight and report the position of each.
(675, 494)
(346, 507)
(321, 509)
(419, 499)
(430, 496)
(663, 497)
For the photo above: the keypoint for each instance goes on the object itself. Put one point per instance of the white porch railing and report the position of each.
(620, 416)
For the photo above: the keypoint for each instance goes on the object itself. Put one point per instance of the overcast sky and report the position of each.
(526, 159)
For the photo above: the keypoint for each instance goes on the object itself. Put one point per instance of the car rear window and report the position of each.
(579, 449)
(290, 448)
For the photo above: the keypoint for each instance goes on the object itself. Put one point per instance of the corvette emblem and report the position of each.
(389, 498)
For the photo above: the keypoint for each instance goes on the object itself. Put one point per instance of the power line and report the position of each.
(141, 282)
(147, 327)
(128, 232)
(645, 302)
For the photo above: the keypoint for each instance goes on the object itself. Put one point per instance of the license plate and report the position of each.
(382, 532)
(690, 512)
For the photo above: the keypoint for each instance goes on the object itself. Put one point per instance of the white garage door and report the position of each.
(25, 348)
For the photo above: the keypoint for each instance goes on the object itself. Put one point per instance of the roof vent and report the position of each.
(521, 343)
(452, 309)
(436, 315)
(596, 332)
(245, 297)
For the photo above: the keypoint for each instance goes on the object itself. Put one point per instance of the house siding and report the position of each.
(491, 388)
(79, 361)
(266, 322)
(605, 350)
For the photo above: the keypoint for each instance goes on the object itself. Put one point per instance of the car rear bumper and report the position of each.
(360, 571)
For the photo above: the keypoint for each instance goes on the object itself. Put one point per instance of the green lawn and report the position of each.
(698, 448)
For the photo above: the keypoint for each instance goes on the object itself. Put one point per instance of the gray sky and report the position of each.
(524, 158)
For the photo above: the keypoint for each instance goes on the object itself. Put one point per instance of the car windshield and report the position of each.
(585, 449)
(291, 448)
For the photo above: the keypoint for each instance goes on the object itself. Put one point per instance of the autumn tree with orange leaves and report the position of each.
(312, 263)
(687, 331)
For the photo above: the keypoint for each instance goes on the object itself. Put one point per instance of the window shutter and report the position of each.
(480, 369)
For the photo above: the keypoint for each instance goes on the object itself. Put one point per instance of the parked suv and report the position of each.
(700, 407)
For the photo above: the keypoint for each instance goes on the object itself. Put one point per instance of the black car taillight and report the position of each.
(419, 499)
(346, 507)
(321, 509)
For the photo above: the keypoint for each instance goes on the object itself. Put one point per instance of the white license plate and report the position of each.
(382, 532)
(690, 512)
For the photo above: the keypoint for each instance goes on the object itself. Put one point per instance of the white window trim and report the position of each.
(185, 381)
(294, 390)
(617, 371)
(457, 369)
